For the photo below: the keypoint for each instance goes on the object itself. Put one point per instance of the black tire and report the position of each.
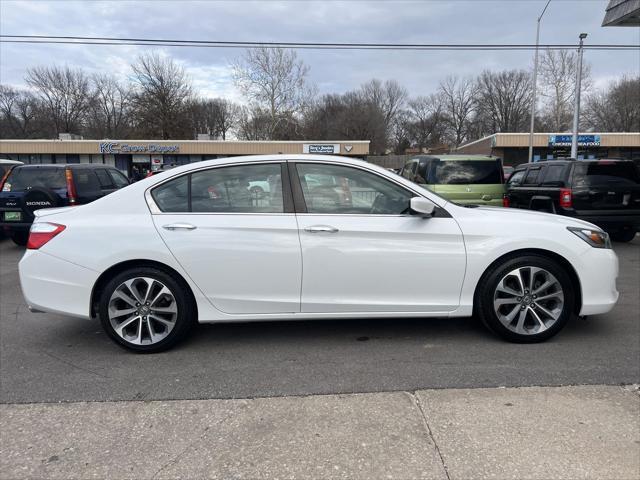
(19, 237)
(185, 317)
(623, 235)
(484, 301)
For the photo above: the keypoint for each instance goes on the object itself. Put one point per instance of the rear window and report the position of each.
(605, 173)
(460, 172)
(21, 179)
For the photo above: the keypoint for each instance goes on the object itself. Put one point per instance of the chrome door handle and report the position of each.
(321, 229)
(179, 226)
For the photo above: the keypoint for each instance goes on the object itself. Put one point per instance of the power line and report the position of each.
(71, 40)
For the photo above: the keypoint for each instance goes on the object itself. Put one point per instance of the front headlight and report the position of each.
(595, 238)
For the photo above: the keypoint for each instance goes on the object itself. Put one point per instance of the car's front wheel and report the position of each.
(526, 299)
(145, 310)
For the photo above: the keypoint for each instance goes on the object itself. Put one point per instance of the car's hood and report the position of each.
(519, 214)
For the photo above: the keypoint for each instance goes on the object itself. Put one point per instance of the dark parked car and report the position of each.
(603, 192)
(30, 187)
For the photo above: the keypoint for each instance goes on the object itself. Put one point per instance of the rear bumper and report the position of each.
(598, 273)
(611, 222)
(50, 284)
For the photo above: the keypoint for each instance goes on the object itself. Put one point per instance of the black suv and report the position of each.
(603, 192)
(27, 188)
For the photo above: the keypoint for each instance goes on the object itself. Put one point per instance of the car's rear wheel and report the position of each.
(526, 299)
(623, 235)
(19, 237)
(145, 310)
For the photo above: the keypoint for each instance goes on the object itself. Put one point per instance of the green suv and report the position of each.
(464, 179)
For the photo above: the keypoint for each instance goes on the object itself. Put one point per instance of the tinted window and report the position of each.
(532, 176)
(553, 174)
(516, 178)
(421, 174)
(86, 182)
(605, 173)
(104, 178)
(407, 171)
(23, 178)
(459, 172)
(242, 189)
(173, 195)
(119, 179)
(336, 189)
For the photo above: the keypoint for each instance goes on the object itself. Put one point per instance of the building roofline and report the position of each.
(294, 142)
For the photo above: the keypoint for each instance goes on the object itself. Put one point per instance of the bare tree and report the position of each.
(228, 116)
(65, 93)
(558, 79)
(616, 109)
(504, 99)
(21, 115)
(274, 80)
(110, 107)
(426, 120)
(254, 124)
(162, 90)
(458, 104)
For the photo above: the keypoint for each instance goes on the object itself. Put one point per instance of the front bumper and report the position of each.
(598, 272)
(50, 284)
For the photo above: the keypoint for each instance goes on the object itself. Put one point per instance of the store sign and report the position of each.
(326, 148)
(565, 140)
(117, 147)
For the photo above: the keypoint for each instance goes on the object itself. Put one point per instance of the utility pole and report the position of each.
(535, 83)
(576, 111)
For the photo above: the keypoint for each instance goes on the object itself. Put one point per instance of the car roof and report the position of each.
(454, 157)
(67, 165)
(570, 161)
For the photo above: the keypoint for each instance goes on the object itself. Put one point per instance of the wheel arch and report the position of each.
(109, 273)
(575, 279)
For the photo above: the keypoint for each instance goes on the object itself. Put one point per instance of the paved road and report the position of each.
(51, 358)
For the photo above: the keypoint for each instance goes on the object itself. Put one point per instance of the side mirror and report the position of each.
(421, 206)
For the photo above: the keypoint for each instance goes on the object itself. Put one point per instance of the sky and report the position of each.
(361, 21)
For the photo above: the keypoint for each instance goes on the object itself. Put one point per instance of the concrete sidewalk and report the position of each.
(554, 432)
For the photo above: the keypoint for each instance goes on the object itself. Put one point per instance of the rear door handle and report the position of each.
(321, 229)
(179, 226)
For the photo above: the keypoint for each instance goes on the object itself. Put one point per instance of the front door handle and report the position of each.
(321, 229)
(179, 226)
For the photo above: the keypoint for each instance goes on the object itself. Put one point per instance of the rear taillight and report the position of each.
(565, 198)
(72, 196)
(505, 201)
(42, 233)
(4, 179)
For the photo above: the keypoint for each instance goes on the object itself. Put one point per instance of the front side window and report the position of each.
(335, 189)
(516, 178)
(408, 170)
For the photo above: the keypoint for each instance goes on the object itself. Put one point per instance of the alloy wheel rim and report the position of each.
(142, 311)
(528, 300)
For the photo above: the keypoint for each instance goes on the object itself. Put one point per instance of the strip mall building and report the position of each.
(513, 148)
(150, 154)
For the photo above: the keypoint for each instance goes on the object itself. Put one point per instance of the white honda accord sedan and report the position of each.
(330, 238)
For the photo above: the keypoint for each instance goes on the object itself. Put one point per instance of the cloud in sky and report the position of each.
(446, 21)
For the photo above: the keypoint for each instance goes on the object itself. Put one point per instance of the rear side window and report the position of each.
(86, 182)
(460, 172)
(553, 174)
(532, 176)
(104, 178)
(173, 196)
(21, 179)
(605, 173)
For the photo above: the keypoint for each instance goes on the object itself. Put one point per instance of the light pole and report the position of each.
(535, 83)
(576, 111)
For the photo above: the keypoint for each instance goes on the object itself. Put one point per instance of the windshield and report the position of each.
(23, 178)
(460, 172)
(606, 173)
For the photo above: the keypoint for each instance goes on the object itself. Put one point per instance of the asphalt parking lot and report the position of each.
(52, 358)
